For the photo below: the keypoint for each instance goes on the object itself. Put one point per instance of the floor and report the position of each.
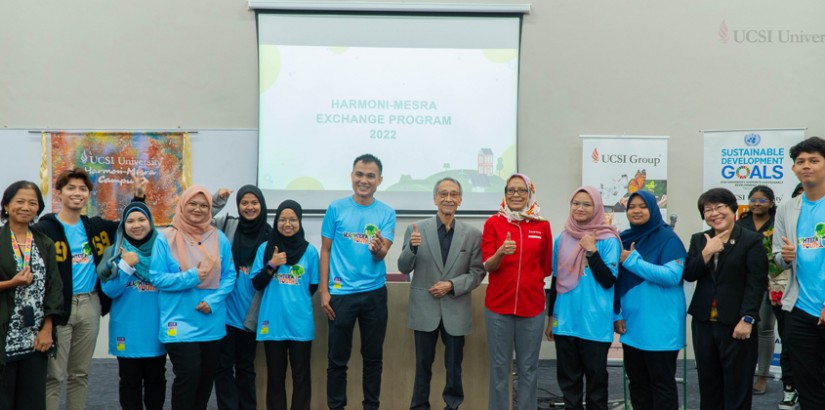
(103, 387)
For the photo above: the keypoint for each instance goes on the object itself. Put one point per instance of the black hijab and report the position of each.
(250, 233)
(294, 245)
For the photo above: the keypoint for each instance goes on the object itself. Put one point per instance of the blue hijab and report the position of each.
(655, 241)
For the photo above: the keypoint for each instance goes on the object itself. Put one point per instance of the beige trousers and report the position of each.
(75, 347)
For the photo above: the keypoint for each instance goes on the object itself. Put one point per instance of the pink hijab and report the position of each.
(192, 243)
(570, 254)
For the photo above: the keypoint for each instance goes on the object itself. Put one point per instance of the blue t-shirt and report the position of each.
(238, 301)
(286, 305)
(83, 262)
(654, 310)
(586, 311)
(179, 295)
(810, 256)
(134, 319)
(351, 227)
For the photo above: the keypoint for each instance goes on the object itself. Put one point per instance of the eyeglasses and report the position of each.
(444, 194)
(201, 206)
(759, 200)
(513, 191)
(583, 205)
(291, 221)
(716, 209)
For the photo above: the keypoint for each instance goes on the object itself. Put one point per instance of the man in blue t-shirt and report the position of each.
(356, 235)
(799, 244)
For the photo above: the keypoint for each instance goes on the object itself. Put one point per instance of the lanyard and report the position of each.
(22, 257)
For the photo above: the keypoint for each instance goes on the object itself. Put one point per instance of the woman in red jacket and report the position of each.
(517, 248)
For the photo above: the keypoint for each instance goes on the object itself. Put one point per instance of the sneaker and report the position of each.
(789, 400)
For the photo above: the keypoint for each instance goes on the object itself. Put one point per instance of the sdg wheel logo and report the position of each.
(743, 172)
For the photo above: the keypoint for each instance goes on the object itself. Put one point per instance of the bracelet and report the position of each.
(272, 268)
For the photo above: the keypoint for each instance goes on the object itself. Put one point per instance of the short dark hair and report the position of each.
(717, 196)
(369, 159)
(811, 145)
(11, 191)
(74, 173)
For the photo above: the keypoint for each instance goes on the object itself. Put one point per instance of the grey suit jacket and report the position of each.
(463, 268)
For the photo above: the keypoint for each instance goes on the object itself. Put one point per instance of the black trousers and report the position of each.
(24, 383)
(235, 374)
(142, 382)
(807, 358)
(369, 309)
(579, 358)
(785, 356)
(725, 366)
(425, 342)
(298, 355)
(194, 366)
(652, 378)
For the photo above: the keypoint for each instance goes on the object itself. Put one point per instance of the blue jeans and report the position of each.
(370, 310)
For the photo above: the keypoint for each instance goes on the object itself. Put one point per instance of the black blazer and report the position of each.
(739, 282)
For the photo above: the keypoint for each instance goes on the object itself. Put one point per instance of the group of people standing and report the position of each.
(205, 290)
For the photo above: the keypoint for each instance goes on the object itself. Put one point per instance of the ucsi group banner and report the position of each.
(621, 165)
(742, 159)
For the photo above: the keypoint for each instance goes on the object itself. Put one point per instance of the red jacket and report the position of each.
(517, 286)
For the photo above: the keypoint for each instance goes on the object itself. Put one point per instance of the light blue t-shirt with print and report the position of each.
(286, 305)
(586, 311)
(83, 262)
(810, 256)
(134, 321)
(351, 227)
(654, 310)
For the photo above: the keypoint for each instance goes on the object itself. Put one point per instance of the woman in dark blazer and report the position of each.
(729, 267)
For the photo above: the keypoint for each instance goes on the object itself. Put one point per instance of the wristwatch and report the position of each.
(590, 253)
(748, 319)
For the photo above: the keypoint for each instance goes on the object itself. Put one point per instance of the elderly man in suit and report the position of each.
(445, 255)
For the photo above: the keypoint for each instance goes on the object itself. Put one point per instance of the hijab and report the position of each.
(192, 243)
(142, 247)
(531, 209)
(294, 245)
(571, 256)
(655, 241)
(250, 234)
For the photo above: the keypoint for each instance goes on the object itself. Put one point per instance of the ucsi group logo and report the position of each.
(624, 158)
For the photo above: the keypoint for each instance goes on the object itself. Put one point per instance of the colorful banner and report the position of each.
(742, 159)
(620, 165)
(109, 157)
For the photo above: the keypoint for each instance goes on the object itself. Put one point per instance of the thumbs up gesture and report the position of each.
(509, 245)
(203, 271)
(788, 250)
(278, 259)
(626, 253)
(130, 258)
(377, 243)
(205, 266)
(415, 237)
